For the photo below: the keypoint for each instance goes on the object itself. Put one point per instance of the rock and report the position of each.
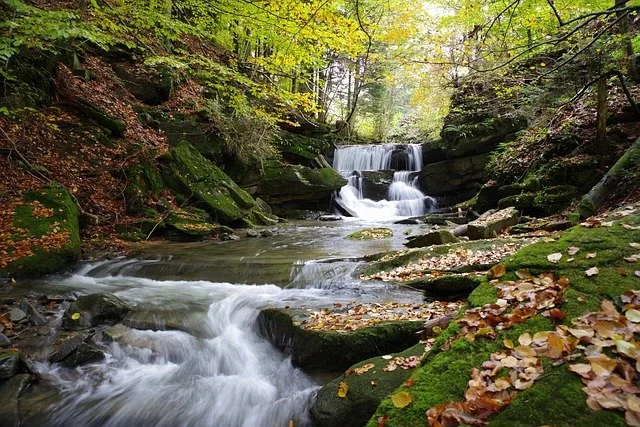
(148, 85)
(4, 341)
(267, 233)
(289, 187)
(302, 150)
(143, 182)
(554, 199)
(329, 350)
(453, 176)
(437, 219)
(375, 184)
(17, 315)
(330, 218)
(63, 221)
(34, 317)
(439, 237)
(94, 309)
(187, 172)
(487, 198)
(11, 391)
(399, 159)
(370, 233)
(460, 230)
(449, 287)
(192, 223)
(363, 398)
(65, 344)
(9, 363)
(487, 227)
(104, 119)
(252, 233)
(523, 202)
(115, 332)
(84, 354)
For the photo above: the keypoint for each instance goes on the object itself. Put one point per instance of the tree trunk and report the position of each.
(610, 182)
(601, 135)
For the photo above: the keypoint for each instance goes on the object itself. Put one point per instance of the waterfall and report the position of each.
(404, 197)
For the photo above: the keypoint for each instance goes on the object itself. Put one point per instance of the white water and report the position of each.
(404, 196)
(221, 373)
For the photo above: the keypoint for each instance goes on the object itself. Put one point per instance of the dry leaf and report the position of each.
(592, 271)
(572, 250)
(387, 357)
(591, 255)
(343, 388)
(523, 274)
(401, 399)
(508, 343)
(364, 368)
(633, 315)
(382, 420)
(635, 245)
(525, 339)
(409, 382)
(75, 316)
(555, 257)
(497, 270)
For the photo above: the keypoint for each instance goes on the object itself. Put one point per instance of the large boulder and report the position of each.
(207, 187)
(453, 176)
(333, 349)
(488, 226)
(375, 184)
(45, 237)
(94, 309)
(288, 187)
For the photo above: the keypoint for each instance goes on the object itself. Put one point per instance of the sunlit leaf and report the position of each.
(401, 399)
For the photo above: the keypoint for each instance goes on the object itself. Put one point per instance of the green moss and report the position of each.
(362, 398)
(444, 376)
(143, 182)
(370, 233)
(556, 399)
(483, 294)
(114, 125)
(446, 285)
(64, 218)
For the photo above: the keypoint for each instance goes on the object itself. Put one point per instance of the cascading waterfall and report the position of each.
(404, 197)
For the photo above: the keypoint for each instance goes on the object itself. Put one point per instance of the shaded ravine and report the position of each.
(215, 369)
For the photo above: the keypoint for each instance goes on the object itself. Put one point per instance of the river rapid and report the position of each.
(202, 362)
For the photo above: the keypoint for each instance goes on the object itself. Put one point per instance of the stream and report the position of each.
(212, 367)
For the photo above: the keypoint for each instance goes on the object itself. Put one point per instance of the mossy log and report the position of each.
(602, 191)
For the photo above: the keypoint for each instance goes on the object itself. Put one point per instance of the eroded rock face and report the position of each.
(91, 310)
(453, 176)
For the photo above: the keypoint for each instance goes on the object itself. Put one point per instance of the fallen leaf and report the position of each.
(75, 316)
(637, 273)
(374, 383)
(523, 274)
(572, 250)
(555, 257)
(364, 368)
(622, 271)
(401, 399)
(497, 270)
(633, 315)
(592, 271)
(382, 420)
(508, 343)
(581, 368)
(591, 255)
(387, 357)
(343, 388)
(635, 245)
(409, 382)
(525, 339)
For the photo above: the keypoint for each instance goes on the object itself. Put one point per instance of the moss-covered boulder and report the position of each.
(554, 199)
(45, 236)
(371, 234)
(303, 150)
(103, 118)
(448, 286)
(365, 391)
(192, 222)
(375, 184)
(143, 182)
(289, 187)
(207, 187)
(438, 237)
(333, 349)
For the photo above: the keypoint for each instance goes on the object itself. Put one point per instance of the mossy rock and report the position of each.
(363, 397)
(49, 218)
(331, 349)
(439, 237)
(194, 222)
(554, 199)
(104, 119)
(523, 202)
(447, 287)
(371, 234)
(187, 172)
(289, 187)
(300, 149)
(94, 309)
(487, 198)
(143, 182)
(489, 226)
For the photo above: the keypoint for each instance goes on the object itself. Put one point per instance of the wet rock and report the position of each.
(363, 398)
(460, 230)
(91, 310)
(9, 362)
(252, 233)
(453, 176)
(267, 233)
(115, 332)
(10, 391)
(17, 315)
(439, 237)
(331, 349)
(375, 184)
(85, 353)
(330, 218)
(4, 341)
(489, 226)
(32, 313)
(65, 344)
(449, 287)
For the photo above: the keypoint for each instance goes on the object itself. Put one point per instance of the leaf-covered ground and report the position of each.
(543, 342)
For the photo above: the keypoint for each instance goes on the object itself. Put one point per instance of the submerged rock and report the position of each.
(370, 234)
(91, 310)
(330, 218)
(9, 362)
(10, 392)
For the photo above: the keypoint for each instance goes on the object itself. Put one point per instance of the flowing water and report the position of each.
(404, 197)
(211, 366)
